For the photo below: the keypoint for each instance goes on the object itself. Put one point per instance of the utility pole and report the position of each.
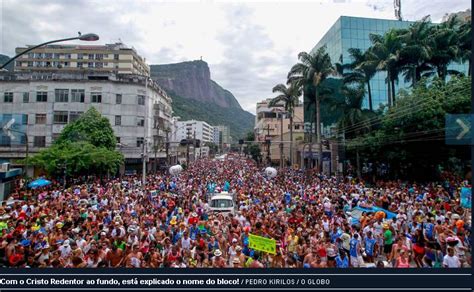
(188, 136)
(268, 144)
(145, 130)
(281, 140)
(194, 145)
(167, 146)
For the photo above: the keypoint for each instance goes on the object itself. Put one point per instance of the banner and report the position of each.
(466, 198)
(262, 244)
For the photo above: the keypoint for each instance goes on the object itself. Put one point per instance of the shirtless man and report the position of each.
(134, 258)
(114, 257)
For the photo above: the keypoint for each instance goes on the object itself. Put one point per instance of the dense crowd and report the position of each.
(169, 223)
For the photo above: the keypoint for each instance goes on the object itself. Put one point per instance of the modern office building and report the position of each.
(353, 32)
(139, 110)
(115, 58)
(216, 136)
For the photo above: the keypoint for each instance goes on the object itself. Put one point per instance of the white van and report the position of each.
(222, 203)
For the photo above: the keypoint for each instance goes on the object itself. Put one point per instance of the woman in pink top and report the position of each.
(402, 260)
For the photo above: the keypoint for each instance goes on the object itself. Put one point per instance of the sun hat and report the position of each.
(217, 253)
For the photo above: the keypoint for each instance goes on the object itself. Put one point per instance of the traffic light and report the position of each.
(197, 143)
(183, 142)
(241, 141)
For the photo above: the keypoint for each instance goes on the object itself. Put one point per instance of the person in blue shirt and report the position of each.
(354, 251)
(429, 228)
(370, 247)
(342, 261)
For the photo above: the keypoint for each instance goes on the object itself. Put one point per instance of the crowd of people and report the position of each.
(168, 221)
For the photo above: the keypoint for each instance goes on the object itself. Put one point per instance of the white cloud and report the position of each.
(250, 46)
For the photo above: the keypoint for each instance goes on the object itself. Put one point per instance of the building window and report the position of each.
(141, 100)
(74, 116)
(99, 56)
(118, 140)
(118, 120)
(66, 64)
(40, 119)
(26, 97)
(8, 97)
(18, 63)
(118, 99)
(91, 56)
(24, 119)
(80, 65)
(77, 95)
(30, 63)
(49, 55)
(41, 96)
(31, 55)
(139, 141)
(96, 97)
(80, 56)
(90, 64)
(68, 56)
(6, 141)
(99, 65)
(140, 122)
(61, 95)
(60, 117)
(116, 56)
(39, 141)
(56, 56)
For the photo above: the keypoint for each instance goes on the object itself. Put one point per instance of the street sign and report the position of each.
(458, 130)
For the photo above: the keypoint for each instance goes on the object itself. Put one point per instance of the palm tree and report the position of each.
(416, 49)
(289, 96)
(385, 52)
(363, 70)
(354, 116)
(465, 42)
(445, 44)
(309, 74)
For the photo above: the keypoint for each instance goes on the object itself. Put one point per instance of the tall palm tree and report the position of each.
(289, 96)
(385, 52)
(353, 116)
(309, 74)
(362, 69)
(416, 49)
(465, 43)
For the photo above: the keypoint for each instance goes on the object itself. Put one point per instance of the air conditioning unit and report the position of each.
(5, 167)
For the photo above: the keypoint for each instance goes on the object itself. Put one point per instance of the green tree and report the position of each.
(416, 49)
(465, 43)
(250, 136)
(362, 69)
(385, 53)
(413, 131)
(309, 74)
(92, 127)
(85, 146)
(289, 97)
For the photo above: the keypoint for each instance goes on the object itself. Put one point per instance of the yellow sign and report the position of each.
(260, 243)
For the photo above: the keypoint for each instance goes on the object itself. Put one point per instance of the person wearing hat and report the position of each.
(218, 261)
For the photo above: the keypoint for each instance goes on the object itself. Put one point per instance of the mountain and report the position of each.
(196, 96)
(3, 60)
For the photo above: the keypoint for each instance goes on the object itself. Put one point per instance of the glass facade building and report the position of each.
(353, 32)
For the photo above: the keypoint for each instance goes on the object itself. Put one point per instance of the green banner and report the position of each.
(267, 245)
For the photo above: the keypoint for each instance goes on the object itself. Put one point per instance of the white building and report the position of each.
(138, 110)
(195, 129)
(216, 135)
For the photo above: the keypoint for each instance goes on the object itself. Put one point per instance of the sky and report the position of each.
(249, 46)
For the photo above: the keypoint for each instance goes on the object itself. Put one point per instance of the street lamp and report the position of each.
(88, 37)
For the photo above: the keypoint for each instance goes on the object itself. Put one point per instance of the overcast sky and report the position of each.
(249, 46)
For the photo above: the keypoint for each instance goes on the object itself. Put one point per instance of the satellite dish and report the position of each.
(270, 172)
(176, 170)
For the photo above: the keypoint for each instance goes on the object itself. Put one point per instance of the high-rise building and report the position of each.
(354, 32)
(114, 58)
(216, 135)
(139, 110)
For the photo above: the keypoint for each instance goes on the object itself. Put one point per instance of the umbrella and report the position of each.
(41, 182)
